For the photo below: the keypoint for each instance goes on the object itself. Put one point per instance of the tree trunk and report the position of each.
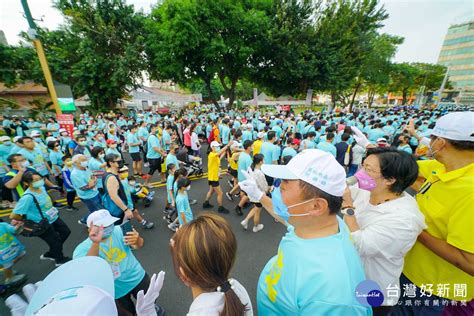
(354, 95)
(333, 101)
(404, 96)
(209, 90)
(371, 96)
(232, 93)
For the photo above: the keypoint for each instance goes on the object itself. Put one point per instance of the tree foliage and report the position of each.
(206, 39)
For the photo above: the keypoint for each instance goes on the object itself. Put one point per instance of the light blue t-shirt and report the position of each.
(278, 131)
(153, 141)
(169, 187)
(225, 135)
(81, 178)
(171, 159)
(375, 134)
(5, 151)
(270, 152)
(166, 138)
(56, 157)
(10, 247)
(127, 270)
(288, 151)
(244, 162)
(312, 277)
(26, 206)
(405, 148)
(37, 160)
(95, 166)
(143, 132)
(133, 139)
(247, 135)
(128, 192)
(183, 207)
(327, 147)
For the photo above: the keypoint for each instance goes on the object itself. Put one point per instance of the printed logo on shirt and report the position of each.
(368, 293)
(273, 277)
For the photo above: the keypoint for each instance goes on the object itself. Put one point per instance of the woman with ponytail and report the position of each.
(203, 253)
(263, 186)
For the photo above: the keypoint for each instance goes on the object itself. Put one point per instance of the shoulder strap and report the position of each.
(36, 203)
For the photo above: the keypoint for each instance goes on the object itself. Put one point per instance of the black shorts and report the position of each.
(155, 165)
(233, 172)
(269, 180)
(136, 156)
(213, 183)
(257, 204)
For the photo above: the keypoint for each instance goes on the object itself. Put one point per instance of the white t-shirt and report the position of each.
(387, 232)
(195, 141)
(212, 303)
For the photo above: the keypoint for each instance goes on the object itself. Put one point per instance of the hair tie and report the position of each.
(227, 285)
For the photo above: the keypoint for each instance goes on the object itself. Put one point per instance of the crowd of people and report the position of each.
(380, 195)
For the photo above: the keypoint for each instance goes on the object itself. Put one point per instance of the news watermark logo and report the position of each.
(368, 293)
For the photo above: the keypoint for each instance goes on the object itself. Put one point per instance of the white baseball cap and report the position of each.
(260, 134)
(83, 286)
(16, 138)
(101, 218)
(4, 139)
(455, 126)
(215, 144)
(50, 139)
(35, 133)
(313, 166)
(62, 130)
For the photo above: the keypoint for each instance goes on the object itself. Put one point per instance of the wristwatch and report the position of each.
(348, 211)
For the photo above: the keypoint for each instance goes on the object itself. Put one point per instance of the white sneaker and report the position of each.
(257, 228)
(245, 224)
(29, 290)
(16, 304)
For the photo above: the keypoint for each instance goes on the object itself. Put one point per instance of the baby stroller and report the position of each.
(193, 164)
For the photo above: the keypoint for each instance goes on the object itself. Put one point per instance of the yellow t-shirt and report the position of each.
(256, 146)
(233, 161)
(448, 207)
(213, 164)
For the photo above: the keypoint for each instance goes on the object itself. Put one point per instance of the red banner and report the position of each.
(66, 121)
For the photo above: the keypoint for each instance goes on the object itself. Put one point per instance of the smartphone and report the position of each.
(126, 227)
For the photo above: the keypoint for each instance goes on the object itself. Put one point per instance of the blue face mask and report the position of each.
(108, 231)
(38, 184)
(281, 209)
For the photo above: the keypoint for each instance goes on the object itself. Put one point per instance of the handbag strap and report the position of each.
(36, 203)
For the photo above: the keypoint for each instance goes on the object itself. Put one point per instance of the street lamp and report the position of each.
(32, 34)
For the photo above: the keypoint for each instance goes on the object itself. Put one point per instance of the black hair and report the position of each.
(169, 167)
(310, 191)
(271, 135)
(28, 177)
(286, 159)
(183, 182)
(311, 134)
(397, 165)
(22, 140)
(258, 158)
(248, 143)
(52, 144)
(179, 172)
(289, 140)
(461, 144)
(329, 135)
(345, 137)
(109, 158)
(96, 151)
(12, 158)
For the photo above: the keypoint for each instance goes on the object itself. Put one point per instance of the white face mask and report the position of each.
(188, 188)
(298, 204)
(132, 183)
(84, 164)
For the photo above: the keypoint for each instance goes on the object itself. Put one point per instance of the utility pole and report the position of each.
(32, 32)
(442, 86)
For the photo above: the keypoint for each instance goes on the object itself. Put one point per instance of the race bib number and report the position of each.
(52, 212)
(115, 270)
(9, 253)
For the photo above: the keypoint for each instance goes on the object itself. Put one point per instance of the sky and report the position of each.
(423, 23)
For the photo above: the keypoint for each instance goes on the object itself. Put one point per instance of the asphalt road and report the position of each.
(254, 249)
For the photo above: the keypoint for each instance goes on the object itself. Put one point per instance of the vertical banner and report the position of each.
(309, 97)
(255, 96)
(66, 121)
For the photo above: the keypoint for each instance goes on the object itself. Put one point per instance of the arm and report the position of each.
(15, 180)
(461, 259)
(94, 250)
(183, 217)
(112, 188)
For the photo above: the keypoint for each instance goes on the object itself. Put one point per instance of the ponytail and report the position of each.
(232, 305)
(258, 158)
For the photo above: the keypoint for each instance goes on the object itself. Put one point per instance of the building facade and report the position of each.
(457, 54)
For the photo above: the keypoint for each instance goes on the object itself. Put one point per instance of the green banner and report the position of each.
(67, 104)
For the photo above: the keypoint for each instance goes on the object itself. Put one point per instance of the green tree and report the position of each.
(102, 47)
(206, 39)
(403, 77)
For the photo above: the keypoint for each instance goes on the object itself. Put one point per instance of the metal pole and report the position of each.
(41, 56)
(443, 84)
